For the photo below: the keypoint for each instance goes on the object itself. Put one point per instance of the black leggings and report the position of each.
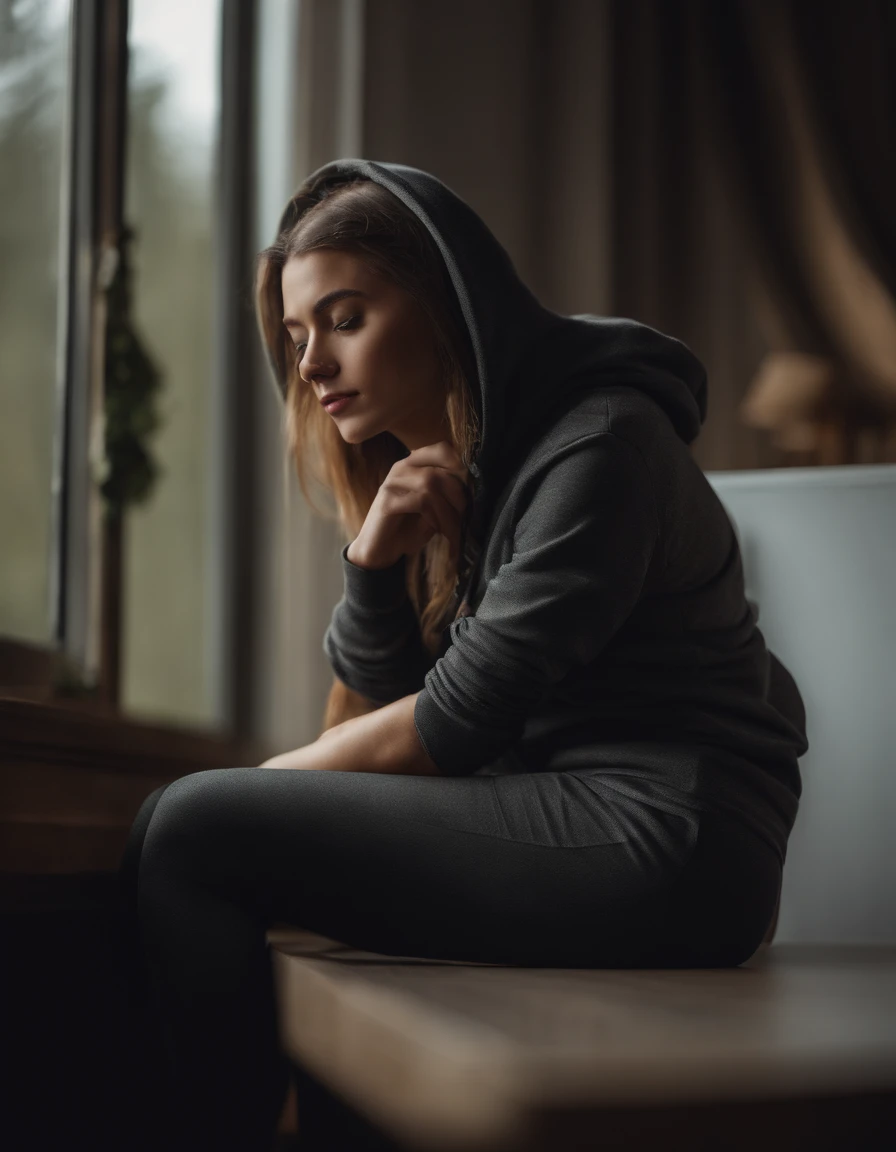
(554, 869)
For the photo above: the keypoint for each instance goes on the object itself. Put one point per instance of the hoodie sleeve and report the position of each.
(582, 549)
(373, 641)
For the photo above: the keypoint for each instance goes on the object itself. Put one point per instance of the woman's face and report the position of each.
(374, 340)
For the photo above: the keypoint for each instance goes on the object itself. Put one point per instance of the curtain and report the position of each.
(847, 54)
(680, 260)
(800, 107)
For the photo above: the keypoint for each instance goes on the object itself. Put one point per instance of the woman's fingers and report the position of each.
(433, 483)
(411, 501)
(439, 455)
(439, 496)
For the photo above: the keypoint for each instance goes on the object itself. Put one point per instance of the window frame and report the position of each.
(37, 692)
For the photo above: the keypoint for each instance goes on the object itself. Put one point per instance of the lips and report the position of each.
(325, 400)
(333, 407)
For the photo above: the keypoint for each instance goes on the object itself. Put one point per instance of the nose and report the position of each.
(312, 370)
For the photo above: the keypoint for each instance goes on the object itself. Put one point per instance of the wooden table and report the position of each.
(794, 1049)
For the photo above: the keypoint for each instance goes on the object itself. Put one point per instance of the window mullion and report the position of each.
(232, 502)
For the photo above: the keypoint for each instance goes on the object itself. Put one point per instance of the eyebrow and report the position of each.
(325, 302)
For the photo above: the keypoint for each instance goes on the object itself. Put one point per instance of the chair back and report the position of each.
(819, 554)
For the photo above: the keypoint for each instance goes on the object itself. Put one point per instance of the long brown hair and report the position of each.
(364, 218)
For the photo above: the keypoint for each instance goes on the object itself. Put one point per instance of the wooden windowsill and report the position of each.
(73, 777)
(68, 730)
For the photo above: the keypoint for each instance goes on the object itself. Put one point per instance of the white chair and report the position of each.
(819, 553)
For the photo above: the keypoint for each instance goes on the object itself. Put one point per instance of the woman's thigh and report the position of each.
(534, 869)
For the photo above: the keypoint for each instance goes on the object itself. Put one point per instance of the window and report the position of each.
(115, 121)
(172, 203)
(34, 73)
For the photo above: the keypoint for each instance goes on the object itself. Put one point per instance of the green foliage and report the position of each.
(71, 680)
(132, 381)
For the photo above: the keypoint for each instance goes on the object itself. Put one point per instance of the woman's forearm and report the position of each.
(385, 740)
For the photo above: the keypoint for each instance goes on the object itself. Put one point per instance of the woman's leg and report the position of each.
(537, 869)
(144, 1055)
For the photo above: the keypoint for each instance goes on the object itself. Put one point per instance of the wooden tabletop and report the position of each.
(455, 1055)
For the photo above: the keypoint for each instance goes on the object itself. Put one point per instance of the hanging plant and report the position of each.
(69, 679)
(123, 466)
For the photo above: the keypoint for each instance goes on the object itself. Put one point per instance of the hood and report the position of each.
(527, 357)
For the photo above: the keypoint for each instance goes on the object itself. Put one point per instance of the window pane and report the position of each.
(33, 82)
(170, 201)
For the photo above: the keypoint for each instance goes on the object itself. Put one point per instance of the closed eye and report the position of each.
(345, 325)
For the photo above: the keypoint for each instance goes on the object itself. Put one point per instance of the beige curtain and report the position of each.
(837, 408)
(309, 97)
(825, 390)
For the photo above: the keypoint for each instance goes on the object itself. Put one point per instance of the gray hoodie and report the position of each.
(606, 624)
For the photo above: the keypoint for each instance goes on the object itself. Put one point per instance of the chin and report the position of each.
(359, 433)
(351, 437)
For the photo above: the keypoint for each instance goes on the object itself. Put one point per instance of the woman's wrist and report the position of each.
(295, 758)
(382, 741)
(308, 756)
(356, 555)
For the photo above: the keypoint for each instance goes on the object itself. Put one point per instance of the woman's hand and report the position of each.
(424, 495)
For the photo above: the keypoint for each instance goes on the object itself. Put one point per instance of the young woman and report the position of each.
(556, 735)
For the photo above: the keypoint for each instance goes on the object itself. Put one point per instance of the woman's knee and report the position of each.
(204, 824)
(171, 806)
(179, 809)
(129, 865)
(130, 860)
